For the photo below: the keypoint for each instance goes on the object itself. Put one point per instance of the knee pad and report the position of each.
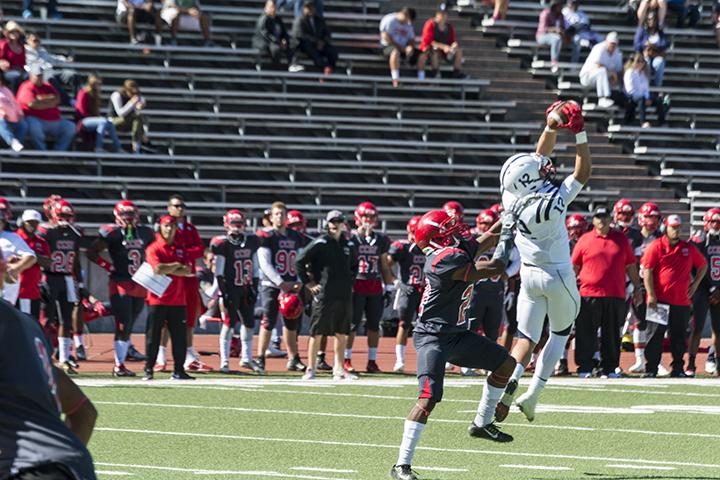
(565, 332)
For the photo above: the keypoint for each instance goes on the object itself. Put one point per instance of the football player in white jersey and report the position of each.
(548, 285)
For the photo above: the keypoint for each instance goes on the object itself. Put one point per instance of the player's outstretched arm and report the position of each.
(568, 115)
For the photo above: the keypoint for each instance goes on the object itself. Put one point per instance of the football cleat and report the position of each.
(399, 367)
(561, 369)
(225, 367)
(637, 367)
(489, 432)
(134, 355)
(67, 368)
(274, 352)
(690, 372)
(73, 363)
(309, 374)
(198, 367)
(295, 364)
(584, 374)
(148, 376)
(341, 375)
(181, 376)
(372, 367)
(348, 365)
(252, 365)
(160, 367)
(710, 366)
(322, 365)
(678, 374)
(503, 407)
(662, 371)
(527, 403)
(403, 472)
(468, 372)
(612, 375)
(649, 375)
(80, 353)
(260, 362)
(121, 371)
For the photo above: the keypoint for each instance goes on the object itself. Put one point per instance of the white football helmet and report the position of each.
(525, 173)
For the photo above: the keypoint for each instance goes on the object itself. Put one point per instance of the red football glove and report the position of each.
(572, 111)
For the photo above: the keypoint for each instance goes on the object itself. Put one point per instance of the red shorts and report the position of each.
(127, 287)
(192, 300)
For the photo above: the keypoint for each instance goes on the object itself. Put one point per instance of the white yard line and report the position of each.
(441, 469)
(536, 467)
(308, 441)
(639, 467)
(318, 469)
(202, 471)
(113, 473)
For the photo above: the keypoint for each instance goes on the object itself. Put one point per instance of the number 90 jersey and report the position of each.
(127, 252)
(64, 244)
(283, 250)
(236, 262)
(541, 237)
(445, 301)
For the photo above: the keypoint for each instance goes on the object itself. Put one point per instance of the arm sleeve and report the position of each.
(151, 257)
(265, 261)
(219, 265)
(256, 268)
(21, 247)
(514, 266)
(570, 189)
(650, 257)
(197, 247)
(120, 109)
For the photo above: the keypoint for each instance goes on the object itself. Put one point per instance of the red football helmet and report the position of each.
(576, 225)
(234, 222)
(711, 221)
(649, 216)
(48, 204)
(623, 212)
(291, 307)
(413, 223)
(363, 210)
(5, 210)
(63, 212)
(295, 220)
(436, 229)
(497, 208)
(485, 220)
(126, 213)
(455, 209)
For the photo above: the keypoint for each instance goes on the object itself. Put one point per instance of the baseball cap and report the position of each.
(167, 219)
(612, 37)
(601, 211)
(31, 215)
(35, 69)
(308, 3)
(334, 216)
(673, 221)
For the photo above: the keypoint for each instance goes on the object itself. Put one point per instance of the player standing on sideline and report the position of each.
(236, 271)
(441, 333)
(549, 287)
(411, 261)
(16, 254)
(63, 278)
(455, 209)
(126, 241)
(373, 269)
(276, 259)
(29, 297)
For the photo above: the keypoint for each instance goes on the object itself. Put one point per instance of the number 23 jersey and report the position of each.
(445, 301)
(127, 252)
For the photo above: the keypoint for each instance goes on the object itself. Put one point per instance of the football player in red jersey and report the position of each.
(125, 241)
(373, 271)
(29, 298)
(17, 256)
(408, 291)
(441, 334)
(64, 279)
(576, 226)
(236, 271)
(707, 296)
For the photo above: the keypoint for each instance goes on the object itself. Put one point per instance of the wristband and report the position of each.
(581, 138)
(77, 407)
(104, 264)
(551, 130)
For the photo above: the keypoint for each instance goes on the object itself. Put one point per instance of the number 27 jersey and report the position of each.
(445, 301)
(126, 252)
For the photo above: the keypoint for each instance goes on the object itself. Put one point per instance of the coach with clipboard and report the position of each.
(668, 263)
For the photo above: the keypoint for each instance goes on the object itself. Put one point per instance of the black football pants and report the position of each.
(158, 316)
(608, 314)
(677, 329)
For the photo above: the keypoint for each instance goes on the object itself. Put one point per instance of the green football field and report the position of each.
(274, 427)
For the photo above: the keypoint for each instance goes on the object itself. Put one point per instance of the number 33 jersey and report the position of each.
(127, 250)
(541, 237)
(64, 243)
(445, 301)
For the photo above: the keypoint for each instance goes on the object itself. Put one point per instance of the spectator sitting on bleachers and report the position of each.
(652, 43)
(12, 55)
(35, 53)
(397, 39)
(602, 69)
(39, 101)
(297, 6)
(438, 42)
(88, 114)
(577, 28)
(131, 11)
(657, 6)
(637, 90)
(51, 9)
(311, 36)
(127, 105)
(500, 9)
(682, 8)
(550, 30)
(186, 15)
(271, 38)
(13, 126)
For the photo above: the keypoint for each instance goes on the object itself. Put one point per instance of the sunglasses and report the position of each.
(177, 205)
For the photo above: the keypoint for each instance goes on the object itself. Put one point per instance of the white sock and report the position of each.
(395, 74)
(421, 74)
(411, 437)
(518, 372)
(121, 349)
(372, 354)
(549, 356)
(537, 384)
(533, 357)
(486, 408)
(161, 356)
(400, 353)
(64, 349)
(246, 337)
(639, 354)
(348, 353)
(564, 355)
(189, 356)
(224, 343)
(78, 340)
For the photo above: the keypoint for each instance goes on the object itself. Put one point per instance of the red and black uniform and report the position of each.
(29, 298)
(126, 247)
(639, 310)
(64, 246)
(411, 261)
(441, 333)
(486, 308)
(368, 288)
(709, 246)
(236, 269)
(188, 239)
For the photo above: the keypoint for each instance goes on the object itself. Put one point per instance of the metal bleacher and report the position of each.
(229, 133)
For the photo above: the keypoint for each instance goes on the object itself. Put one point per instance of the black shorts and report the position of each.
(411, 60)
(408, 302)
(126, 310)
(486, 311)
(243, 307)
(141, 15)
(464, 349)
(51, 471)
(271, 310)
(331, 316)
(31, 307)
(60, 303)
(371, 306)
(701, 305)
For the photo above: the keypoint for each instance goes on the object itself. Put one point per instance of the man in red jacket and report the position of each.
(29, 296)
(438, 42)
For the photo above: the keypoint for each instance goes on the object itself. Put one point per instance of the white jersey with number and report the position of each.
(541, 236)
